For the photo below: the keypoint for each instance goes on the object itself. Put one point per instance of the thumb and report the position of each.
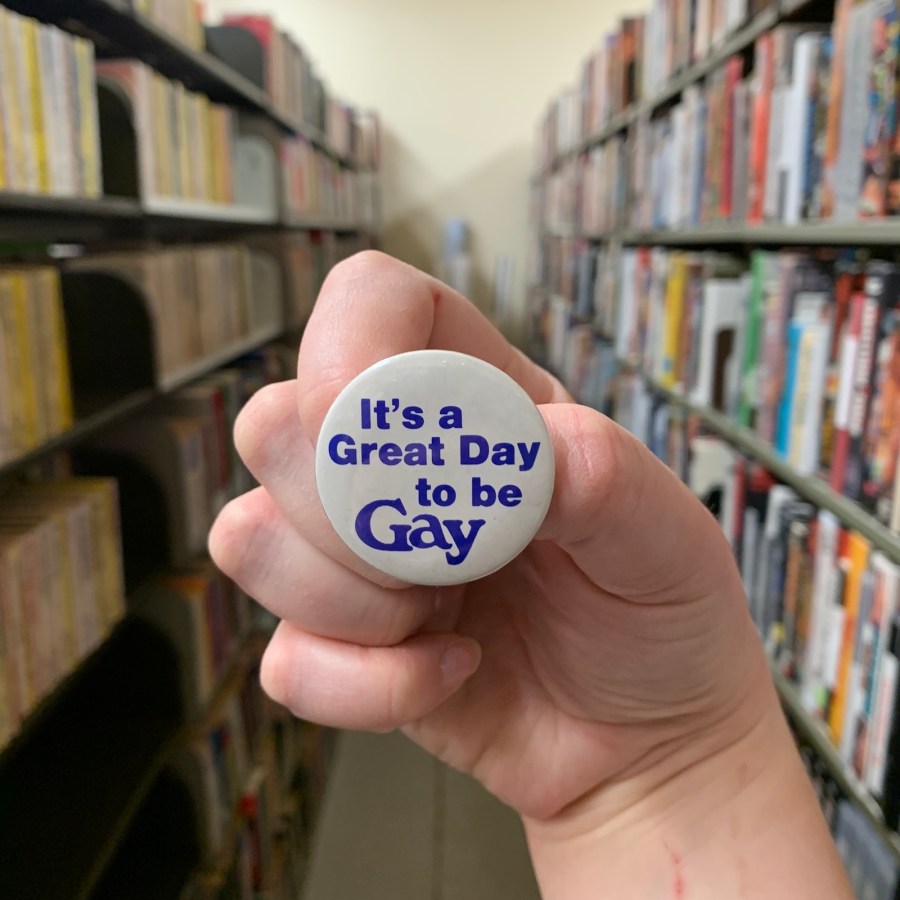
(344, 685)
(627, 521)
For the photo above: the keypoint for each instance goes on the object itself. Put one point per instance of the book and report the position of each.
(848, 170)
(857, 555)
(881, 111)
(881, 284)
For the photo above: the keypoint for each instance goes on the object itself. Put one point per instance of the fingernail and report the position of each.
(459, 661)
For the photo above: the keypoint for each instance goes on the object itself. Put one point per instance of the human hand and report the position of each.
(614, 655)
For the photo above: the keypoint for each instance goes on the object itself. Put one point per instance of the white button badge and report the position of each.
(435, 467)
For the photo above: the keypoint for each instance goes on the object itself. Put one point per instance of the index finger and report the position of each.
(372, 307)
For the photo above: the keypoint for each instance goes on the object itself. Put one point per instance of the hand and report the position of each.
(612, 656)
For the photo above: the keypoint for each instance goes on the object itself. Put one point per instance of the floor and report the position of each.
(398, 825)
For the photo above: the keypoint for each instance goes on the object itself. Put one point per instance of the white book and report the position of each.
(808, 460)
(828, 532)
(778, 497)
(773, 152)
(66, 167)
(749, 544)
(854, 108)
(626, 309)
(721, 304)
(796, 127)
(887, 578)
(24, 108)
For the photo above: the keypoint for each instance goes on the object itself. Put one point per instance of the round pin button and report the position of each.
(435, 467)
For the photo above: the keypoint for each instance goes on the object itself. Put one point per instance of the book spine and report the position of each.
(835, 106)
(880, 278)
(90, 118)
(881, 111)
(857, 556)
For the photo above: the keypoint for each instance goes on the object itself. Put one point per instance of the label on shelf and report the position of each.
(435, 467)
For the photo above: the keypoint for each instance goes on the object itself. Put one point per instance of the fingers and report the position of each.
(625, 519)
(367, 688)
(255, 545)
(275, 448)
(372, 307)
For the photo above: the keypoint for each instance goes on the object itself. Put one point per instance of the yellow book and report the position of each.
(13, 112)
(207, 125)
(19, 691)
(857, 554)
(16, 294)
(5, 91)
(13, 356)
(34, 75)
(184, 141)
(55, 351)
(162, 129)
(90, 116)
(674, 310)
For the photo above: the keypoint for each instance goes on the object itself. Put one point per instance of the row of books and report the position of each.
(801, 348)
(316, 186)
(811, 133)
(49, 128)
(825, 602)
(633, 63)
(185, 444)
(297, 92)
(61, 586)
(871, 863)
(201, 298)
(229, 766)
(308, 258)
(182, 19)
(185, 143)
(35, 381)
(207, 618)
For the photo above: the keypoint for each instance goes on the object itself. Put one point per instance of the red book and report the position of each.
(734, 71)
(264, 30)
(849, 353)
(759, 127)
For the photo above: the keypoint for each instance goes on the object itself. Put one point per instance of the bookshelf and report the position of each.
(634, 274)
(171, 307)
(119, 30)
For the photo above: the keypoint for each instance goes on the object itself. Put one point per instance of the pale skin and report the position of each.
(608, 684)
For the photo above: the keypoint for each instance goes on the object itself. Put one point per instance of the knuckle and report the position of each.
(602, 457)
(231, 538)
(257, 420)
(365, 264)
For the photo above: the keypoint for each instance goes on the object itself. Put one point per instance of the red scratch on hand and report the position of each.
(678, 885)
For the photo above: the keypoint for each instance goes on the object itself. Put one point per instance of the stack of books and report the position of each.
(61, 586)
(49, 130)
(182, 19)
(186, 143)
(35, 382)
(201, 298)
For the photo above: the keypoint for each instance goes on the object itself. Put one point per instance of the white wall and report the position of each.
(460, 85)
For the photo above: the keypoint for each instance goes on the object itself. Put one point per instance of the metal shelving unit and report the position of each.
(860, 233)
(811, 487)
(817, 736)
(119, 30)
(119, 409)
(737, 42)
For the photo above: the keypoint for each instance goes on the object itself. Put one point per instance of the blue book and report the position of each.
(786, 407)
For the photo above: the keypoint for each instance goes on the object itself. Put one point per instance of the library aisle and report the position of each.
(398, 825)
